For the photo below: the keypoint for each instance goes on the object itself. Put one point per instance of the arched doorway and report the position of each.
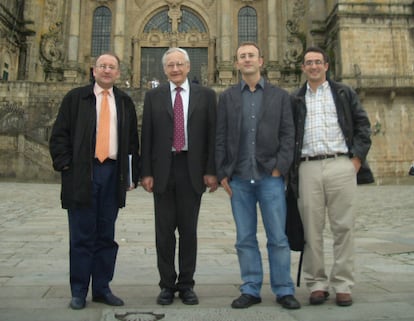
(178, 26)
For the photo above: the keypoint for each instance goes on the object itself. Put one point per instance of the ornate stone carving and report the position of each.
(155, 36)
(102, 2)
(174, 3)
(12, 118)
(295, 39)
(208, 3)
(194, 36)
(51, 52)
(296, 42)
(140, 3)
(51, 10)
(174, 13)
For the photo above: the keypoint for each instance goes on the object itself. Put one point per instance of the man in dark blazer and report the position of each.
(178, 175)
(93, 185)
(254, 150)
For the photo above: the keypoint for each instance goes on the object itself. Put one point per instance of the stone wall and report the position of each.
(25, 152)
(23, 159)
(27, 113)
(373, 46)
(392, 122)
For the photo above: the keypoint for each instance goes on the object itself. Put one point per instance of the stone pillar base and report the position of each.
(73, 75)
(225, 70)
(273, 72)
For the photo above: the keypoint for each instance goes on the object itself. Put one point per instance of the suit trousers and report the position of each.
(177, 208)
(328, 187)
(93, 250)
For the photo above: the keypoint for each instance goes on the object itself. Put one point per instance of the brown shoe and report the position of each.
(343, 299)
(318, 297)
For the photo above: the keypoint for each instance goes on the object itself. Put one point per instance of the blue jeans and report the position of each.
(269, 192)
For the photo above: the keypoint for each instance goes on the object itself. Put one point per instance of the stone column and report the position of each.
(74, 31)
(72, 72)
(316, 22)
(136, 64)
(272, 64)
(211, 62)
(119, 37)
(272, 38)
(225, 64)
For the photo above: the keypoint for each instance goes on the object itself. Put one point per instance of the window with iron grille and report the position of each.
(101, 31)
(159, 21)
(190, 21)
(247, 24)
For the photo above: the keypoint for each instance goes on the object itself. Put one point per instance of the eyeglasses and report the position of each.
(248, 55)
(312, 62)
(103, 67)
(171, 65)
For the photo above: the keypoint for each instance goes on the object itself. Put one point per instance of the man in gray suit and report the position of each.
(177, 166)
(254, 149)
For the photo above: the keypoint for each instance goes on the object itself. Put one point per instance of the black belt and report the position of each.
(321, 157)
(182, 153)
(106, 161)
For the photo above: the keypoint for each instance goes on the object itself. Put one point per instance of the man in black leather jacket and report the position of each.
(332, 139)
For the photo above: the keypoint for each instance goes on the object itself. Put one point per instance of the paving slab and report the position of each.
(34, 269)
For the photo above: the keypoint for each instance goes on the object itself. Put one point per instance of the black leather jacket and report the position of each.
(352, 119)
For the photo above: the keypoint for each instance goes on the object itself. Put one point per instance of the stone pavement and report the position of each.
(34, 262)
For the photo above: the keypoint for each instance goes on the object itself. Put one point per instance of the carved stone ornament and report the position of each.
(51, 45)
(12, 118)
(174, 14)
(51, 52)
(140, 3)
(103, 2)
(295, 39)
(174, 3)
(208, 3)
(51, 10)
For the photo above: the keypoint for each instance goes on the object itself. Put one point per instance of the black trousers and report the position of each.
(93, 250)
(177, 209)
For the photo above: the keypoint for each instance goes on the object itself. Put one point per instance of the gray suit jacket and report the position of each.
(157, 135)
(274, 137)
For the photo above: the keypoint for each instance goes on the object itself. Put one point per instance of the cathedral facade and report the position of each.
(49, 46)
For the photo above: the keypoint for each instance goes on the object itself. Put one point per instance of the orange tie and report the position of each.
(102, 137)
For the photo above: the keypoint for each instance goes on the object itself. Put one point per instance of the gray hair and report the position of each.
(175, 49)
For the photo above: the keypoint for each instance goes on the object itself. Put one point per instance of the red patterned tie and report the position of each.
(179, 136)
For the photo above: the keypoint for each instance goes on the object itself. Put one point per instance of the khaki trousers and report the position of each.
(327, 188)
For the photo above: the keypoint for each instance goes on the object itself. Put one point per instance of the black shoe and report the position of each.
(288, 302)
(166, 296)
(188, 296)
(108, 299)
(244, 301)
(77, 303)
